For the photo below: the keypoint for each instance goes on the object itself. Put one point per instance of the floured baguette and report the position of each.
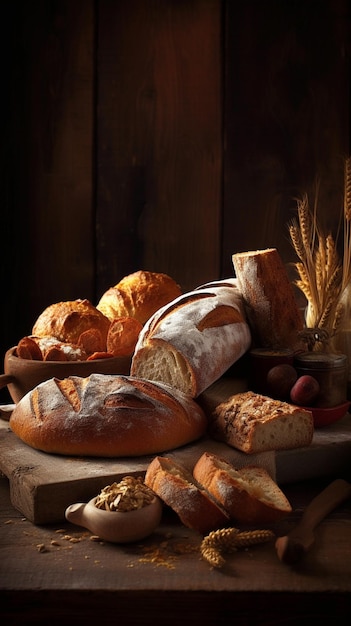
(249, 494)
(192, 341)
(255, 423)
(176, 486)
(108, 416)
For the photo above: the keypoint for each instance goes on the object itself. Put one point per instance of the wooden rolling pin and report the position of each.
(293, 546)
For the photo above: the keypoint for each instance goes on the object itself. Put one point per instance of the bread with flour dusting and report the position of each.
(106, 416)
(193, 340)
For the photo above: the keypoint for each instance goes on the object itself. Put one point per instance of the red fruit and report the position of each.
(280, 380)
(305, 390)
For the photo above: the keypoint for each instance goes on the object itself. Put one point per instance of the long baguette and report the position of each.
(192, 341)
(274, 317)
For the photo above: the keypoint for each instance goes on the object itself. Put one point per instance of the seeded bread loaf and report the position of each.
(255, 423)
(193, 340)
(176, 486)
(249, 495)
(107, 416)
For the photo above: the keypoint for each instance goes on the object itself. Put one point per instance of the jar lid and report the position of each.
(269, 352)
(320, 360)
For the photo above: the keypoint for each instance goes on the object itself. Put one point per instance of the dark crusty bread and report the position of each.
(138, 295)
(249, 495)
(107, 416)
(255, 423)
(193, 340)
(176, 486)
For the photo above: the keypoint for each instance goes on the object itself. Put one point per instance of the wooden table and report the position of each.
(56, 574)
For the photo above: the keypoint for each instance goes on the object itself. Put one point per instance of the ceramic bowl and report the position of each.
(22, 375)
(116, 526)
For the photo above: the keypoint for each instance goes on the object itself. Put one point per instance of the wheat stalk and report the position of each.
(321, 275)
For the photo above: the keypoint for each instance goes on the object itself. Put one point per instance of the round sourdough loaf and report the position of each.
(66, 321)
(249, 495)
(176, 486)
(138, 295)
(106, 416)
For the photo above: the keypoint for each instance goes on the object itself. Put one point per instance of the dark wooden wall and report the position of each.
(161, 134)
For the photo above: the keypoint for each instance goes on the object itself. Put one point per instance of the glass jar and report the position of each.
(331, 372)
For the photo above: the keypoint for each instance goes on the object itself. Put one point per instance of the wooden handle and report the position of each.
(291, 547)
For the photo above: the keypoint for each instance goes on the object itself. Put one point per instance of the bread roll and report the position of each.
(66, 321)
(138, 295)
(178, 489)
(193, 340)
(255, 423)
(274, 317)
(249, 495)
(106, 416)
(49, 349)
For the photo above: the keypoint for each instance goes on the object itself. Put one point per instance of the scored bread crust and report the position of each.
(68, 320)
(255, 423)
(176, 486)
(249, 494)
(138, 295)
(193, 340)
(106, 416)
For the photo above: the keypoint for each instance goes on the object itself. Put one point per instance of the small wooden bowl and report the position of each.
(116, 526)
(22, 375)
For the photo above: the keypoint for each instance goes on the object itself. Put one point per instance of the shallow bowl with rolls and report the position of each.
(22, 375)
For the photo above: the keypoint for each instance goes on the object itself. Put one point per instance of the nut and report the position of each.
(129, 494)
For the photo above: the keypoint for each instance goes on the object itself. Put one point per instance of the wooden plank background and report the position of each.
(162, 135)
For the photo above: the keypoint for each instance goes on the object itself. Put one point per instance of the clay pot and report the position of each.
(22, 375)
(116, 526)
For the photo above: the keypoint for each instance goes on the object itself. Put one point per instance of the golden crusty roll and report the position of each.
(271, 308)
(68, 320)
(249, 495)
(176, 486)
(107, 416)
(138, 295)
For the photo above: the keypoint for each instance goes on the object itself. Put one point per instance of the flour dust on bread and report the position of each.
(255, 423)
(192, 341)
(106, 416)
(249, 494)
(177, 487)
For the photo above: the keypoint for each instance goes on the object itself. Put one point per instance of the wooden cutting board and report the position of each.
(43, 485)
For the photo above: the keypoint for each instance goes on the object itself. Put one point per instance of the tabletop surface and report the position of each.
(49, 571)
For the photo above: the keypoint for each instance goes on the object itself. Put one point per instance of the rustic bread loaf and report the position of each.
(193, 340)
(255, 423)
(138, 295)
(274, 317)
(249, 495)
(107, 416)
(66, 321)
(176, 486)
